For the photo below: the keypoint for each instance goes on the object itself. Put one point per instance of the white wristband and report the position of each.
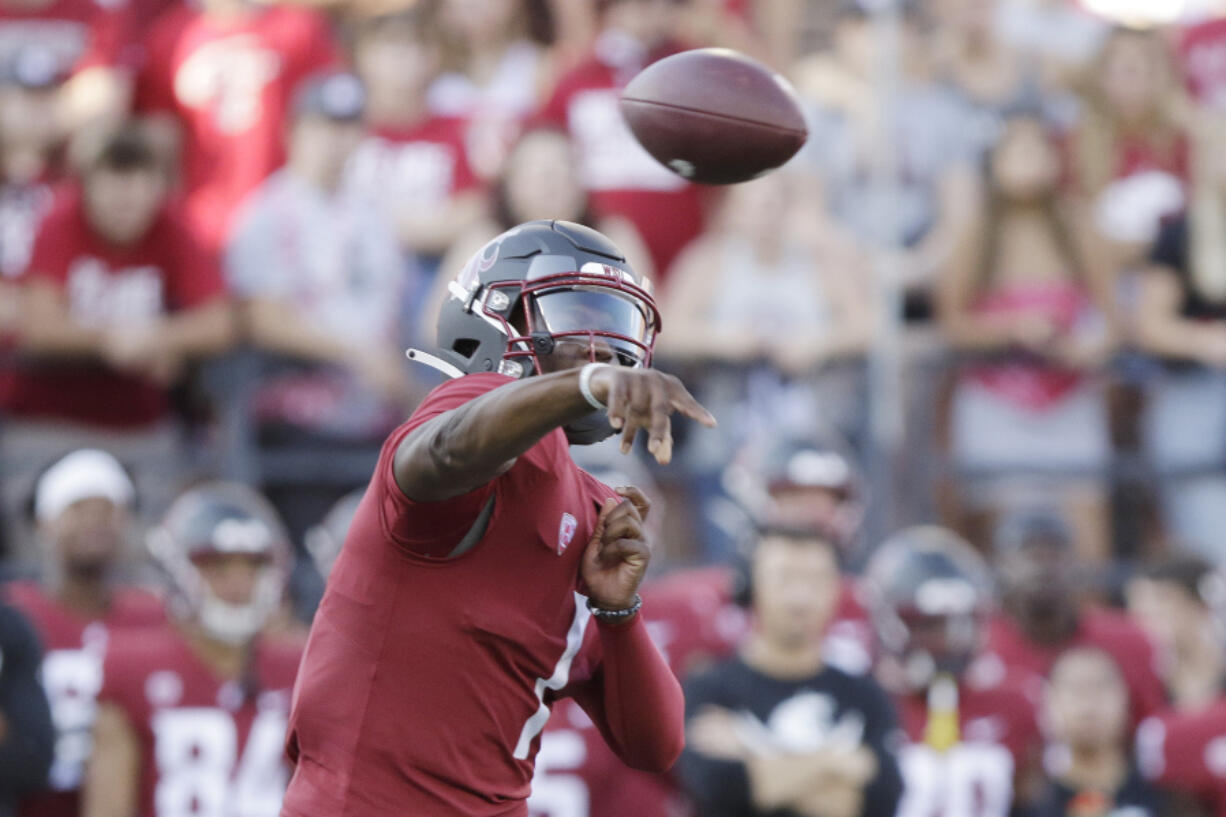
(585, 385)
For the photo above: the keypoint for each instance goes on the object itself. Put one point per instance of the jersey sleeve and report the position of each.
(434, 528)
(118, 688)
(882, 736)
(1174, 751)
(193, 271)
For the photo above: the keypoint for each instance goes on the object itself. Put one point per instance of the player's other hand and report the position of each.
(645, 399)
(617, 556)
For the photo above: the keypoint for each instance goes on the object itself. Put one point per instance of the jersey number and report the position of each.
(554, 792)
(969, 780)
(72, 679)
(200, 773)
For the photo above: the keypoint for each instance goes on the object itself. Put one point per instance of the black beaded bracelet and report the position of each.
(616, 615)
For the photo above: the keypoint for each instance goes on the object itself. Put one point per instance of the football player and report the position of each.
(192, 715)
(972, 731)
(459, 608)
(83, 508)
(1043, 614)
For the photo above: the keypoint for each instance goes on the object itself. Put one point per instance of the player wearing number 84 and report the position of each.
(485, 575)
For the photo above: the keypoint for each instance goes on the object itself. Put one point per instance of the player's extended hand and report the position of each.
(617, 555)
(646, 399)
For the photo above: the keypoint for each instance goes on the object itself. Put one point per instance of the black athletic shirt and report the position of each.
(29, 739)
(828, 707)
(1172, 251)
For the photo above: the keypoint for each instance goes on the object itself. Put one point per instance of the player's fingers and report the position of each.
(618, 401)
(640, 501)
(623, 527)
(636, 400)
(660, 436)
(634, 551)
(685, 403)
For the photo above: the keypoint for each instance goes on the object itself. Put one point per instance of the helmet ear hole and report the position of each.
(466, 347)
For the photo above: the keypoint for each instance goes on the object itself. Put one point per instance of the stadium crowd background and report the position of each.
(216, 242)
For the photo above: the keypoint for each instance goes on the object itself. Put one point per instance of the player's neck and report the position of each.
(86, 594)
(1101, 768)
(224, 659)
(780, 660)
(395, 111)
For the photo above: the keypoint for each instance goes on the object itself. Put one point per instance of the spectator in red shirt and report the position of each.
(1043, 616)
(413, 165)
(117, 297)
(220, 78)
(620, 176)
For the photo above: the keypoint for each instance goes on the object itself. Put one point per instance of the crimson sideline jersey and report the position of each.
(105, 286)
(423, 165)
(229, 82)
(501, 630)
(999, 746)
(1113, 633)
(621, 178)
(208, 745)
(79, 33)
(1185, 751)
(72, 675)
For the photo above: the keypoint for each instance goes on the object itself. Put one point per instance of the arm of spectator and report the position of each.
(431, 230)
(27, 737)
(1161, 330)
(958, 198)
(48, 328)
(688, 302)
(114, 766)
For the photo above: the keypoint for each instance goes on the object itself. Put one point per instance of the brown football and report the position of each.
(713, 115)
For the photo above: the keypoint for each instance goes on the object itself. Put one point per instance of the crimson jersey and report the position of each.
(621, 178)
(1202, 56)
(1113, 633)
(1186, 752)
(999, 744)
(229, 82)
(107, 286)
(421, 166)
(427, 680)
(208, 745)
(72, 675)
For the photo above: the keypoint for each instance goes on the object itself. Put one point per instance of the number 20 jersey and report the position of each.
(210, 747)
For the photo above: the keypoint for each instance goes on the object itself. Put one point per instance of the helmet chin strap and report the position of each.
(589, 429)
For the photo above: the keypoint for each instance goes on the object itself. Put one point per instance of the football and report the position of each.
(715, 116)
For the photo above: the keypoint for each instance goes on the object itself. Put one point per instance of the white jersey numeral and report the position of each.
(200, 773)
(554, 792)
(72, 679)
(969, 780)
(557, 680)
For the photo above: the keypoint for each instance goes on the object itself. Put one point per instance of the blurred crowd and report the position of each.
(223, 222)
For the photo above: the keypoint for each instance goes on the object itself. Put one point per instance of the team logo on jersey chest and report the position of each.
(566, 532)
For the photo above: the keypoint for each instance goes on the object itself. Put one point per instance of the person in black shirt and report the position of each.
(775, 731)
(1089, 761)
(27, 738)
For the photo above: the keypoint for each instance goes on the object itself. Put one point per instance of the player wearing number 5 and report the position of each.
(192, 714)
(462, 604)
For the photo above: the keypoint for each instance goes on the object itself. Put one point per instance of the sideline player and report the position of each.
(83, 506)
(973, 743)
(192, 715)
(458, 610)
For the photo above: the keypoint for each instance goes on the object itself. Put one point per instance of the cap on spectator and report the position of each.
(1033, 526)
(84, 474)
(338, 96)
(33, 67)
